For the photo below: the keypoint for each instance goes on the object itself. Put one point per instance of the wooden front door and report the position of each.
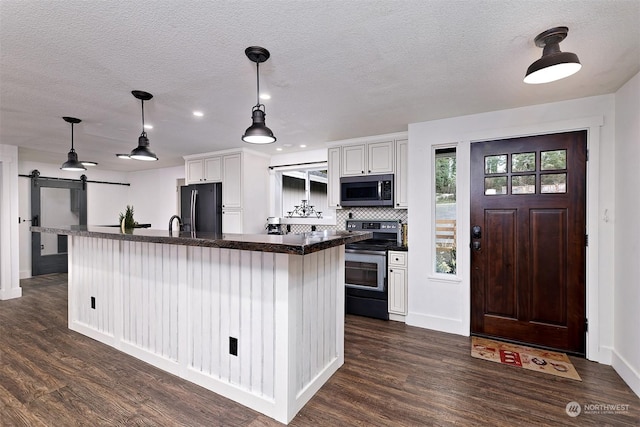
(528, 239)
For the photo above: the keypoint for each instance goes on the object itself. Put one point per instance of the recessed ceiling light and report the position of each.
(303, 146)
(198, 113)
(148, 126)
(279, 149)
(265, 96)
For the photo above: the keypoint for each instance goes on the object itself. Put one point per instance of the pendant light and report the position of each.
(72, 163)
(258, 132)
(554, 64)
(142, 152)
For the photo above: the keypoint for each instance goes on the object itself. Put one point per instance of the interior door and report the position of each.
(528, 240)
(54, 203)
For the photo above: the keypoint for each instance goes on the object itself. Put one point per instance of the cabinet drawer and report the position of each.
(397, 259)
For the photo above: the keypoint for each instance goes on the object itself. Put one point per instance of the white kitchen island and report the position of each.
(179, 301)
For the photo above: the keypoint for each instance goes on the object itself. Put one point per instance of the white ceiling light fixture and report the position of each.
(554, 64)
(198, 113)
(142, 151)
(72, 163)
(88, 163)
(258, 132)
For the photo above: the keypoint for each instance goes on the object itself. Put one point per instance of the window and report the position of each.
(304, 184)
(445, 210)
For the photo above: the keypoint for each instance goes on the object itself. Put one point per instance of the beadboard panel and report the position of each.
(94, 265)
(176, 307)
(149, 297)
(231, 296)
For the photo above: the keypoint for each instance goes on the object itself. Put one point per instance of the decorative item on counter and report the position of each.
(304, 210)
(126, 220)
(405, 237)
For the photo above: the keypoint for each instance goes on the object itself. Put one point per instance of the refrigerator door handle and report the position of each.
(194, 193)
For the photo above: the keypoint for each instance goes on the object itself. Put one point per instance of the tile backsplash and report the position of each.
(356, 213)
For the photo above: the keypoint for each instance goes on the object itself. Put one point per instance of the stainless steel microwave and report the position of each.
(368, 190)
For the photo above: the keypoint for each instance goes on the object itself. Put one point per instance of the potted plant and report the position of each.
(126, 220)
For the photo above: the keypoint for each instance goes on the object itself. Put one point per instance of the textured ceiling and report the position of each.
(338, 69)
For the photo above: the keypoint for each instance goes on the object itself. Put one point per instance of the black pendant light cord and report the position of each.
(142, 103)
(258, 84)
(72, 138)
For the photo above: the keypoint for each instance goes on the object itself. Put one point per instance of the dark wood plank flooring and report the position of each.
(394, 375)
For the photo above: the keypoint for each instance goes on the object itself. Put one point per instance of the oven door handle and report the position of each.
(365, 252)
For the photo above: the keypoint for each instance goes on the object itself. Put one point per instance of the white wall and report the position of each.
(104, 201)
(153, 195)
(626, 346)
(9, 249)
(444, 303)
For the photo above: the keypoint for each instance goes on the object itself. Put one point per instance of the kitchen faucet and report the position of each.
(171, 222)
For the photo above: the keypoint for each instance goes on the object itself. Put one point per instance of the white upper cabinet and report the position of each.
(402, 175)
(368, 158)
(232, 181)
(208, 169)
(213, 169)
(380, 157)
(354, 159)
(333, 172)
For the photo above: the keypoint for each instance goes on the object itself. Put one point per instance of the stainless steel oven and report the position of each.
(366, 268)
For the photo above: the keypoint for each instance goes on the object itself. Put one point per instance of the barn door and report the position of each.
(528, 198)
(54, 203)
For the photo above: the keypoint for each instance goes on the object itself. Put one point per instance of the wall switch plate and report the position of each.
(233, 346)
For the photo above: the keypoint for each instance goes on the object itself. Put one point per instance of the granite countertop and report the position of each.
(295, 243)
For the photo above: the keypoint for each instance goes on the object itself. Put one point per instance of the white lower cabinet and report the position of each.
(397, 281)
(231, 221)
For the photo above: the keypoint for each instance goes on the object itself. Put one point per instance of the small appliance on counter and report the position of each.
(274, 226)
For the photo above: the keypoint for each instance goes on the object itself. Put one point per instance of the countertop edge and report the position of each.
(308, 242)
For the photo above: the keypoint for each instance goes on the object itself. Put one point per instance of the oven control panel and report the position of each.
(367, 225)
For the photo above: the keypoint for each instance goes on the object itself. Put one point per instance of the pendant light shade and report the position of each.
(142, 151)
(258, 132)
(72, 163)
(554, 64)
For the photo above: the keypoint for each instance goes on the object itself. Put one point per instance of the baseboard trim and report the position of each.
(10, 293)
(626, 372)
(437, 323)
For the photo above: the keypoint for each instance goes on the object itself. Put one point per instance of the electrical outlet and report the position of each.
(233, 346)
(93, 302)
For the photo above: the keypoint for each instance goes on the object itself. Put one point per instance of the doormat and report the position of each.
(549, 362)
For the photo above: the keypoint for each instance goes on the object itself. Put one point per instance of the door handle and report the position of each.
(476, 245)
(476, 232)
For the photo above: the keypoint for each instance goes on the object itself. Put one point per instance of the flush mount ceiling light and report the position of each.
(258, 132)
(554, 64)
(72, 163)
(142, 152)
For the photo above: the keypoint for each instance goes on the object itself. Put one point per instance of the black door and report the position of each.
(54, 203)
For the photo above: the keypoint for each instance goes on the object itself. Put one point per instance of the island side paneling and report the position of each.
(177, 306)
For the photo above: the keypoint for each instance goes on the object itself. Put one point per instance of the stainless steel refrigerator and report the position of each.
(201, 207)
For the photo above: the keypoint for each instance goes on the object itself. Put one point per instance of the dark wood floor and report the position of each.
(394, 375)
